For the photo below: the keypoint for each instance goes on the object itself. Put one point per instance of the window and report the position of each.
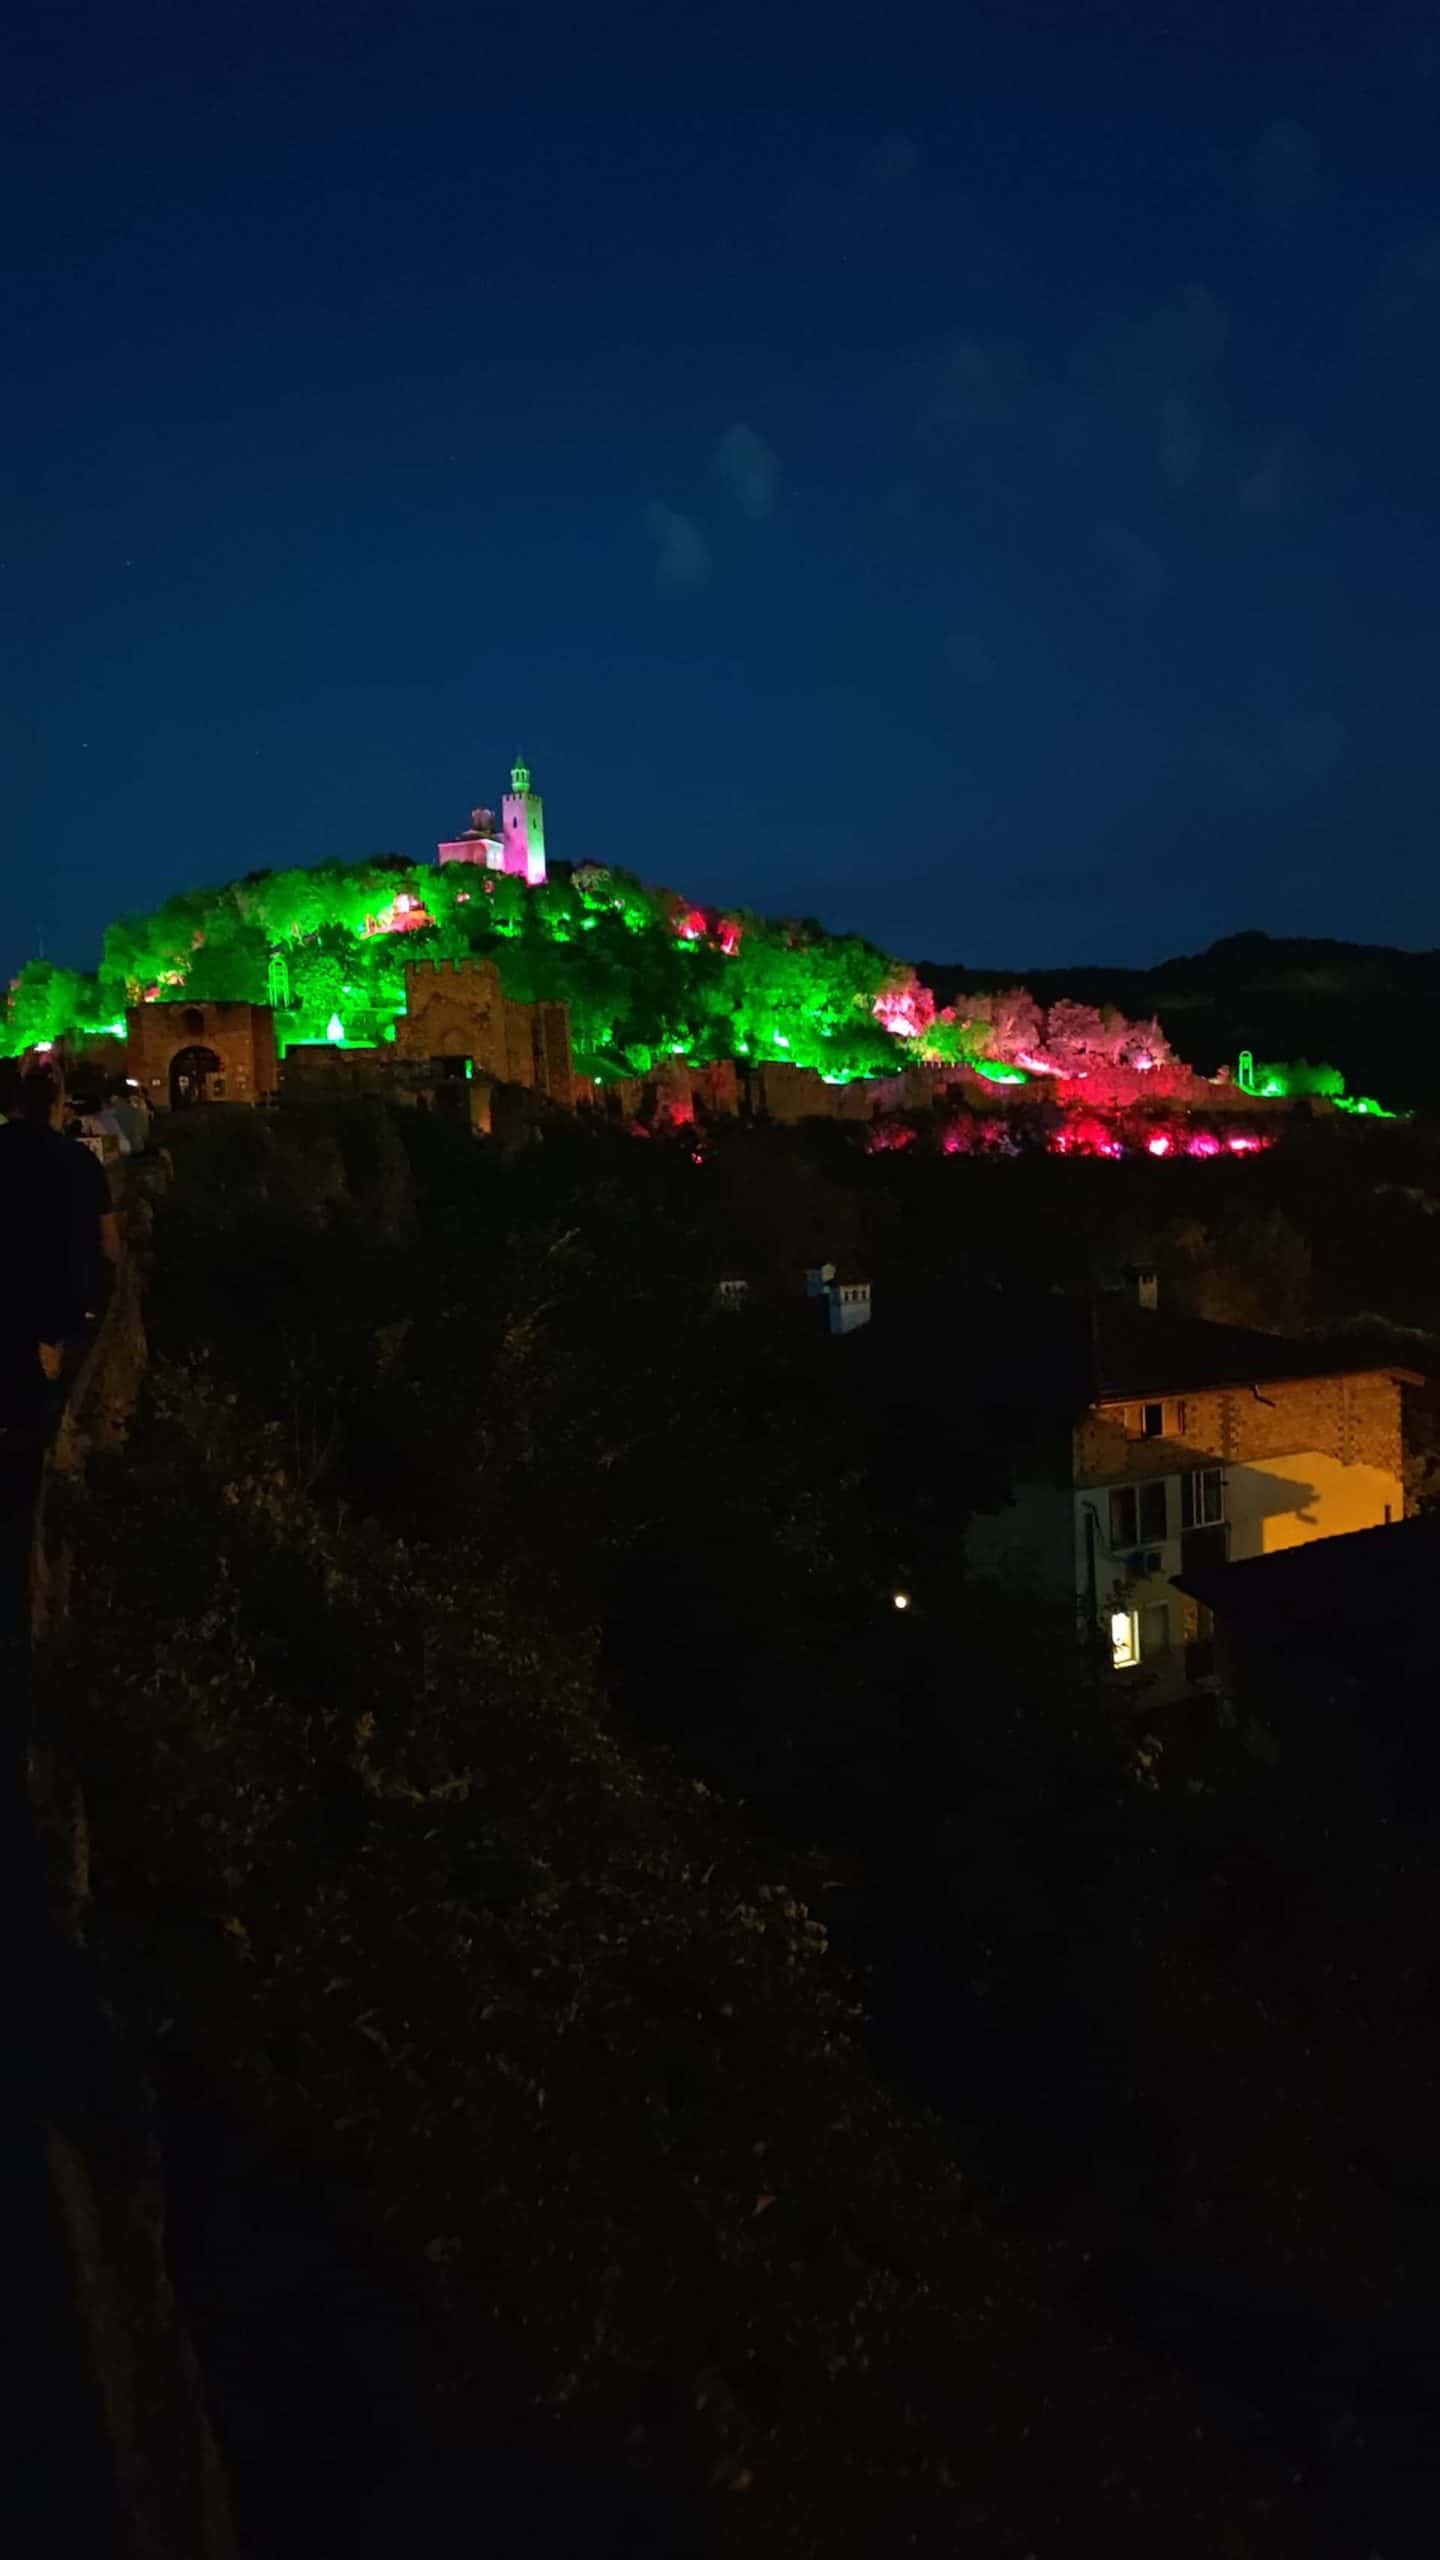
(1139, 1515)
(1202, 1498)
(1154, 1630)
(192, 1019)
(1124, 1639)
(1151, 1421)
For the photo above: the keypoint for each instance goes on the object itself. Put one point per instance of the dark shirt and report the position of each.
(53, 1195)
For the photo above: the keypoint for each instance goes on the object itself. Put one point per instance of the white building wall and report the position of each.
(1285, 1502)
(1268, 1504)
(1112, 1566)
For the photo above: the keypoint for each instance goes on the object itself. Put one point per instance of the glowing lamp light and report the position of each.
(335, 1028)
(899, 1599)
(782, 1040)
(1157, 1146)
(43, 1048)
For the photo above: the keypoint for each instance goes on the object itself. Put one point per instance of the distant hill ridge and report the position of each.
(1370, 1009)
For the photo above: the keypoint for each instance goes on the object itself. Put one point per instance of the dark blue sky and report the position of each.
(982, 489)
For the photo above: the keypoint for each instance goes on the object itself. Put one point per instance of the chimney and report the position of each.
(849, 1305)
(1147, 1288)
(818, 1281)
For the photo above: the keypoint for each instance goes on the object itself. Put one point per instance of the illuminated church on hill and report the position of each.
(520, 846)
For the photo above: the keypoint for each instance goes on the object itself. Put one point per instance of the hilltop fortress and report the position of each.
(490, 971)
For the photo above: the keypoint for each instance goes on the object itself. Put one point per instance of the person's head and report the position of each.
(42, 1097)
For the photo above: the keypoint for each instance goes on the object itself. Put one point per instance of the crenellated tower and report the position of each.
(523, 828)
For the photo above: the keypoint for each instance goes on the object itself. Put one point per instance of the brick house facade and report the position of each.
(1157, 1447)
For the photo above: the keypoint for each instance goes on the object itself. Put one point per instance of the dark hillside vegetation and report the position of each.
(665, 2054)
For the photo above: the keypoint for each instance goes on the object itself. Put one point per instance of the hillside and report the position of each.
(1365, 1006)
(649, 978)
(551, 1887)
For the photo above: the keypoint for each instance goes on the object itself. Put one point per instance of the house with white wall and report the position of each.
(1146, 1445)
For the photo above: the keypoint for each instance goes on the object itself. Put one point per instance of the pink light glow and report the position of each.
(1158, 1146)
(1034, 1066)
(727, 934)
(1240, 1145)
(905, 1011)
(1086, 1134)
(1202, 1144)
(405, 914)
(691, 926)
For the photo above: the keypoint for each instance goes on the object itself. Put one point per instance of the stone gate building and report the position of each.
(459, 1009)
(181, 1054)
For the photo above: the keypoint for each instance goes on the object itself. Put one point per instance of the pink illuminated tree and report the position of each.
(1001, 1025)
(904, 1006)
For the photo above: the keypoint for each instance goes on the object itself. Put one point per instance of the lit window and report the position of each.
(1202, 1498)
(1124, 1639)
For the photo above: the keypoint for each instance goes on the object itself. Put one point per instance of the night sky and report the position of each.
(982, 490)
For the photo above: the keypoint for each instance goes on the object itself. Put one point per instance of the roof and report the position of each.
(965, 1352)
(1370, 1577)
(1037, 1352)
(1140, 1351)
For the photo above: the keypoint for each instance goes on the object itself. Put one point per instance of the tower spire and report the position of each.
(524, 827)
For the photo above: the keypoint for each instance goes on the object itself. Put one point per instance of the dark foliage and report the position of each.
(518, 1804)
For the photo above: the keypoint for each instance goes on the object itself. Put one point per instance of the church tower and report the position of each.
(523, 824)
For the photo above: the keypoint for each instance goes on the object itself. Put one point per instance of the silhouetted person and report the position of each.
(59, 1232)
